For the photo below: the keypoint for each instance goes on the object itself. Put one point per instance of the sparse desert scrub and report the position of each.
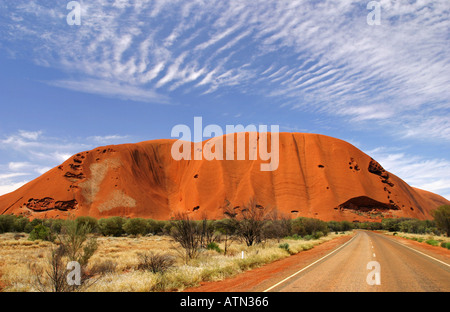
(116, 262)
(434, 240)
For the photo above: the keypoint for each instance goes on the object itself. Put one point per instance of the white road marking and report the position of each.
(421, 253)
(298, 272)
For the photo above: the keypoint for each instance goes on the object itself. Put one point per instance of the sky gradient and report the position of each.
(134, 69)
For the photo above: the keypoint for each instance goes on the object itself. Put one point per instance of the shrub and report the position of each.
(111, 226)
(7, 223)
(432, 242)
(30, 225)
(186, 232)
(74, 245)
(104, 267)
(208, 232)
(391, 225)
(249, 221)
(213, 246)
(445, 245)
(155, 227)
(56, 225)
(51, 277)
(442, 218)
(318, 235)
(20, 223)
(156, 263)
(308, 226)
(91, 222)
(284, 246)
(226, 227)
(277, 228)
(295, 236)
(135, 226)
(41, 232)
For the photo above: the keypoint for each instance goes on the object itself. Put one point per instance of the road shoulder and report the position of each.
(440, 253)
(261, 278)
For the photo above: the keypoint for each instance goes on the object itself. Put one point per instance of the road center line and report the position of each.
(298, 272)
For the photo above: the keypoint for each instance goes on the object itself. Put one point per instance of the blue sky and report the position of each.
(134, 69)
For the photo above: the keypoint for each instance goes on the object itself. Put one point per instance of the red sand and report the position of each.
(318, 176)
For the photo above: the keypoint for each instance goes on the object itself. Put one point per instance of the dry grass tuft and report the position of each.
(116, 264)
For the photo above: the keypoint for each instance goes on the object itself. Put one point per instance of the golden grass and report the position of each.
(16, 255)
(421, 237)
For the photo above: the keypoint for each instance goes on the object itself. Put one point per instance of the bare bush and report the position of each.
(208, 232)
(277, 226)
(186, 232)
(103, 267)
(52, 277)
(249, 221)
(156, 263)
(73, 245)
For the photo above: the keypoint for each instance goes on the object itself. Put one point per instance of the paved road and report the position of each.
(354, 267)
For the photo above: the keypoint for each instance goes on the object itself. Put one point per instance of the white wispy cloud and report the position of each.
(108, 139)
(112, 89)
(35, 153)
(429, 174)
(322, 53)
(8, 186)
(318, 56)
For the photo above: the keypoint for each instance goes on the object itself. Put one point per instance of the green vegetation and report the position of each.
(214, 246)
(141, 252)
(298, 228)
(284, 246)
(256, 226)
(432, 242)
(41, 232)
(74, 244)
(442, 218)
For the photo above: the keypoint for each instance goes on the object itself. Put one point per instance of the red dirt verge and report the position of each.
(261, 278)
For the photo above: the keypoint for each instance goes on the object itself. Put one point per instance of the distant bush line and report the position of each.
(306, 228)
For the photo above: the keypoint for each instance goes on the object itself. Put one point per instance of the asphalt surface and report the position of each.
(370, 262)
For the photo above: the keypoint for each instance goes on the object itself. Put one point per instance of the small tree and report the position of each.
(53, 276)
(74, 245)
(209, 233)
(278, 226)
(227, 228)
(442, 218)
(249, 221)
(186, 232)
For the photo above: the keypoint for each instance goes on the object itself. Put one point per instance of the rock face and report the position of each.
(318, 177)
